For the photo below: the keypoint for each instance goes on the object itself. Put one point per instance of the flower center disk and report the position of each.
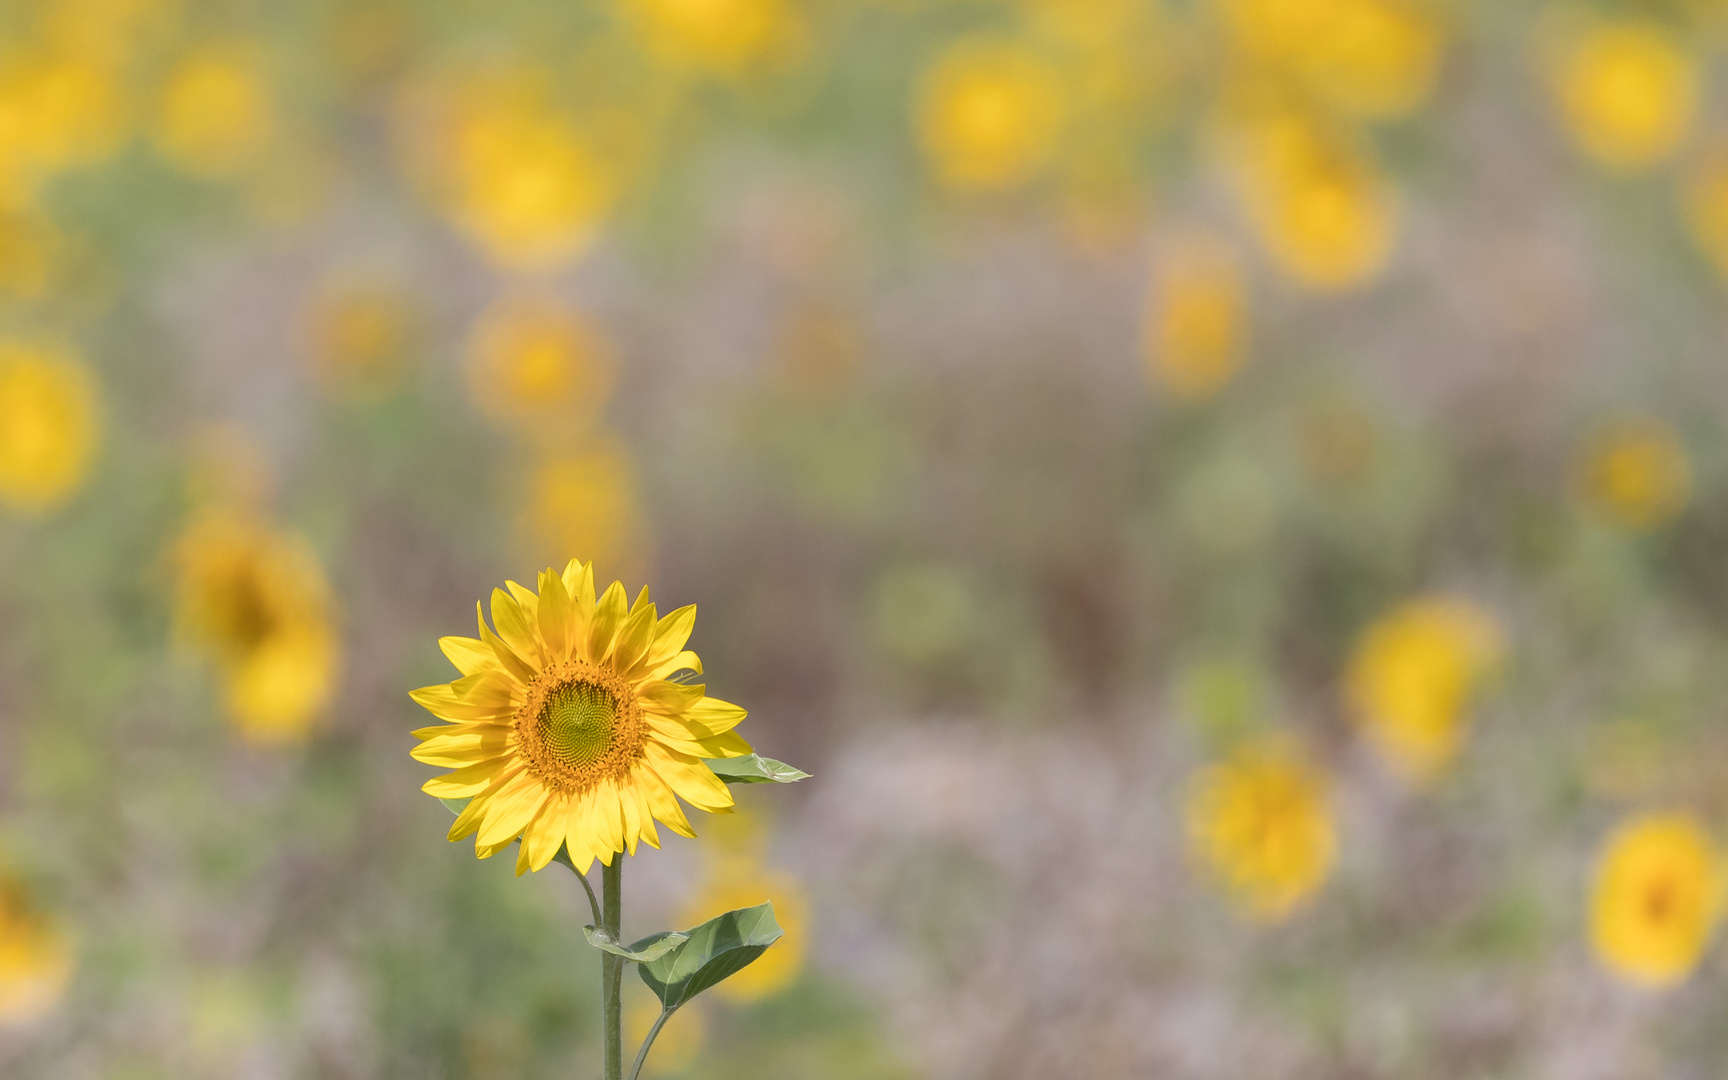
(579, 725)
(577, 722)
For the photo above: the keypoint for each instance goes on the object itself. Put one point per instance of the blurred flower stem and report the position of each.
(612, 967)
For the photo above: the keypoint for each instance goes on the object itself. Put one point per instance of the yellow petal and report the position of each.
(489, 688)
(661, 801)
(608, 617)
(543, 836)
(553, 615)
(670, 698)
(684, 661)
(711, 716)
(632, 816)
(464, 782)
(470, 655)
(581, 590)
(576, 837)
(644, 812)
(674, 734)
(670, 634)
(510, 808)
(589, 813)
(486, 851)
(633, 638)
(730, 744)
(687, 776)
(468, 820)
(467, 727)
(513, 663)
(607, 818)
(514, 628)
(458, 751)
(526, 599)
(444, 701)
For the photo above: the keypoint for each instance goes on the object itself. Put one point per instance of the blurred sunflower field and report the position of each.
(1228, 499)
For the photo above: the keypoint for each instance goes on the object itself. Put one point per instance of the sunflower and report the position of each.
(1413, 675)
(256, 601)
(49, 425)
(36, 957)
(1263, 823)
(567, 729)
(1656, 898)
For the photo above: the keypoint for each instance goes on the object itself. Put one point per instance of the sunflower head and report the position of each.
(36, 957)
(1656, 899)
(570, 726)
(1262, 823)
(255, 600)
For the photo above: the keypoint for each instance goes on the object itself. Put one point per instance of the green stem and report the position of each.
(642, 1054)
(612, 967)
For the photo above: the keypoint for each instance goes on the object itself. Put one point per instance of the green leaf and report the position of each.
(649, 949)
(716, 950)
(754, 769)
(455, 806)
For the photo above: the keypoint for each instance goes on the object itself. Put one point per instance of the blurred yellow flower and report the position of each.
(216, 116)
(1195, 327)
(724, 37)
(533, 362)
(1370, 58)
(989, 114)
(585, 501)
(1317, 203)
(48, 425)
(529, 181)
(742, 881)
(679, 1041)
(60, 112)
(1635, 474)
(361, 337)
(1627, 91)
(564, 730)
(1412, 675)
(35, 958)
(1656, 899)
(1262, 823)
(256, 601)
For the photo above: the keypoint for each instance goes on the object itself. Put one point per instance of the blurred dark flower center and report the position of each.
(244, 612)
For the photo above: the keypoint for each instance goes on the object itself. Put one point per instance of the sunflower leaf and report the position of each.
(754, 769)
(646, 951)
(713, 951)
(455, 806)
